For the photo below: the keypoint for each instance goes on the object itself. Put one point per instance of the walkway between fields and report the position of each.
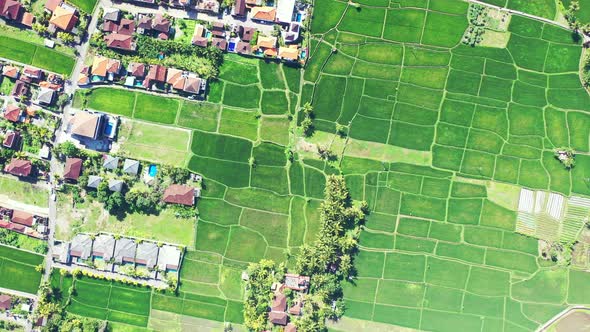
(113, 276)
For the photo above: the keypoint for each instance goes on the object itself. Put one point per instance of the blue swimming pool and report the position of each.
(108, 129)
(298, 19)
(153, 170)
(231, 47)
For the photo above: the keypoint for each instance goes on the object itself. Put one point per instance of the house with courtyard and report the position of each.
(297, 282)
(72, 169)
(103, 247)
(147, 254)
(125, 251)
(220, 43)
(179, 194)
(80, 248)
(169, 258)
(63, 18)
(19, 167)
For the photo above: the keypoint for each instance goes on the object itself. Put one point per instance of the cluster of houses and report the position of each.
(30, 83)
(12, 306)
(139, 75)
(24, 223)
(64, 17)
(173, 194)
(280, 313)
(247, 40)
(112, 254)
(119, 30)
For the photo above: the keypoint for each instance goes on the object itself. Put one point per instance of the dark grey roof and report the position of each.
(131, 166)
(94, 181)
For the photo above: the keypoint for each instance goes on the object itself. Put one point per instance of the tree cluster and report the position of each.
(329, 261)
(566, 156)
(477, 17)
(307, 122)
(261, 276)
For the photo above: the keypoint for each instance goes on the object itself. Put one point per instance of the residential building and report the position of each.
(179, 194)
(292, 34)
(266, 42)
(110, 162)
(64, 18)
(11, 9)
(61, 252)
(126, 27)
(22, 218)
(45, 96)
(131, 167)
(218, 29)
(239, 8)
(277, 314)
(116, 185)
(12, 113)
(50, 5)
(103, 247)
(297, 282)
(147, 254)
(246, 33)
(220, 43)
(120, 41)
(5, 302)
(10, 71)
(263, 14)
(285, 9)
(290, 328)
(73, 168)
(80, 247)
(28, 19)
(125, 251)
(199, 37)
(94, 181)
(211, 6)
(289, 53)
(86, 124)
(156, 74)
(19, 167)
(11, 139)
(169, 258)
(33, 73)
(99, 66)
(144, 23)
(136, 70)
(110, 26)
(19, 89)
(161, 24)
(110, 14)
(243, 48)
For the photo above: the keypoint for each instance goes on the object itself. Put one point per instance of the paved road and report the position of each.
(511, 11)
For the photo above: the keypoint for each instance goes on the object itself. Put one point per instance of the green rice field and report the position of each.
(36, 55)
(436, 136)
(18, 267)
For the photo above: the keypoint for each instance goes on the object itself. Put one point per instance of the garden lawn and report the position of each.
(23, 192)
(154, 142)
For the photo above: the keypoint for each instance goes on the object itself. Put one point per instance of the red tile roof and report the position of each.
(5, 302)
(110, 26)
(23, 218)
(52, 4)
(160, 23)
(279, 303)
(120, 41)
(179, 194)
(73, 168)
(126, 27)
(12, 113)
(10, 9)
(28, 19)
(19, 167)
(10, 138)
(277, 318)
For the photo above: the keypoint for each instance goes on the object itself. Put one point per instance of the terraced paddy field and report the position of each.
(20, 263)
(438, 137)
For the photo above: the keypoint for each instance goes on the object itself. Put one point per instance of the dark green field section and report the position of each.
(36, 55)
(18, 269)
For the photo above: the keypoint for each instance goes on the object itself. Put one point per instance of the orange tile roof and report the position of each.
(266, 42)
(63, 18)
(288, 53)
(99, 66)
(264, 13)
